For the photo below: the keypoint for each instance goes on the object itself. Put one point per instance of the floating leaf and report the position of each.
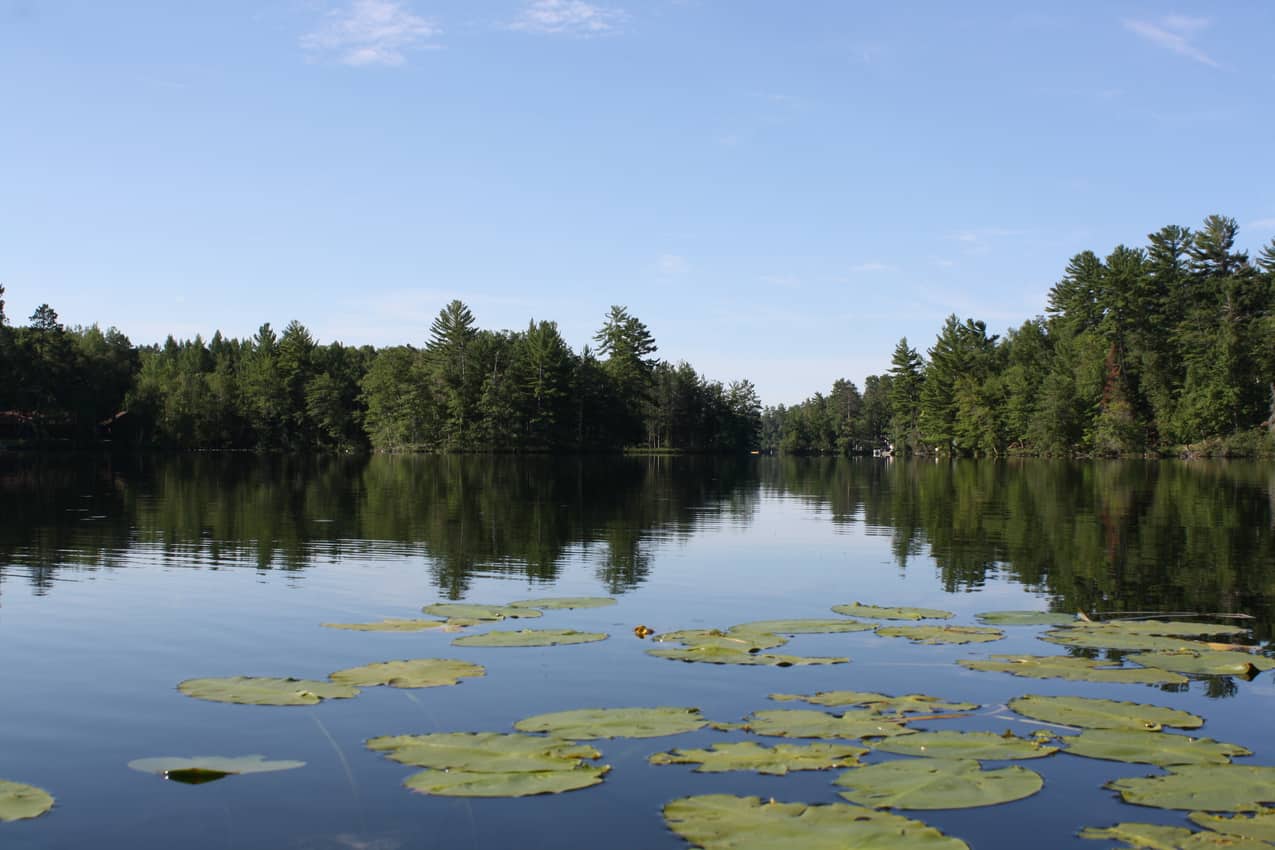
(1212, 788)
(592, 723)
(1075, 669)
(20, 802)
(716, 638)
(1206, 663)
(197, 770)
(530, 637)
(484, 752)
(396, 624)
(880, 703)
(1094, 713)
(1150, 747)
(807, 723)
(942, 634)
(877, 612)
(725, 822)
(564, 602)
(966, 745)
(1157, 837)
(413, 673)
(460, 783)
(1260, 826)
(937, 784)
(777, 760)
(481, 613)
(723, 655)
(1025, 618)
(802, 627)
(1099, 637)
(264, 690)
(1168, 628)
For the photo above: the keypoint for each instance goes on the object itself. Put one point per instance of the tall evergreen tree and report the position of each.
(906, 379)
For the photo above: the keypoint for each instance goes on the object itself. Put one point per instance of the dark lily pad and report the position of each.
(1158, 837)
(396, 624)
(197, 770)
(460, 783)
(551, 603)
(777, 760)
(880, 703)
(725, 822)
(412, 673)
(485, 752)
(1259, 826)
(1025, 618)
(937, 784)
(586, 724)
(481, 613)
(1075, 669)
(877, 612)
(1157, 748)
(263, 690)
(724, 655)
(1206, 663)
(966, 745)
(807, 723)
(531, 637)
(942, 634)
(801, 627)
(1211, 788)
(1093, 713)
(19, 801)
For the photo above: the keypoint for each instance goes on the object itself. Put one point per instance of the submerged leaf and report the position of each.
(592, 723)
(807, 723)
(1213, 788)
(1025, 618)
(725, 822)
(880, 703)
(877, 612)
(530, 637)
(777, 760)
(942, 634)
(801, 627)
(1206, 662)
(937, 784)
(564, 602)
(1153, 836)
(197, 770)
(1075, 669)
(264, 690)
(460, 783)
(20, 802)
(1260, 825)
(412, 673)
(966, 745)
(395, 624)
(481, 613)
(484, 752)
(723, 655)
(1092, 713)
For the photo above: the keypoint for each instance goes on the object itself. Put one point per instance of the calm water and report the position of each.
(118, 579)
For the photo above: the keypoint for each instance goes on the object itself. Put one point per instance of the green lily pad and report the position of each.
(966, 745)
(460, 783)
(413, 673)
(1209, 787)
(1098, 637)
(1260, 826)
(1025, 618)
(880, 703)
(1092, 713)
(801, 627)
(1074, 669)
(1168, 628)
(718, 639)
(942, 634)
(777, 760)
(264, 690)
(20, 802)
(807, 723)
(481, 613)
(937, 784)
(877, 612)
(1206, 663)
(725, 822)
(197, 770)
(724, 655)
(1153, 836)
(1157, 748)
(592, 723)
(551, 603)
(531, 637)
(484, 752)
(396, 624)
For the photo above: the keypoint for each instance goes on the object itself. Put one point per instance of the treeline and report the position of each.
(1148, 350)
(466, 389)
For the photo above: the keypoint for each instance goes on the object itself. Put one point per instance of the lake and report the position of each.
(121, 577)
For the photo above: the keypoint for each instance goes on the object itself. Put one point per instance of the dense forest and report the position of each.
(1152, 349)
(466, 389)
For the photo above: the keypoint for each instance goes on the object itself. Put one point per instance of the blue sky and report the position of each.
(779, 190)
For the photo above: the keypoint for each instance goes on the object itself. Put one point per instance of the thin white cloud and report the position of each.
(371, 32)
(1174, 32)
(873, 266)
(570, 17)
(672, 265)
(783, 281)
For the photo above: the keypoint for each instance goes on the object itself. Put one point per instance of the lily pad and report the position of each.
(551, 603)
(723, 655)
(937, 784)
(877, 612)
(966, 745)
(1025, 618)
(943, 634)
(718, 639)
(530, 637)
(1157, 748)
(460, 783)
(1168, 628)
(20, 802)
(725, 822)
(777, 760)
(1074, 669)
(264, 690)
(592, 723)
(1260, 826)
(481, 613)
(395, 624)
(484, 752)
(807, 723)
(1099, 637)
(1092, 713)
(1153, 836)
(802, 627)
(1212, 788)
(880, 703)
(413, 673)
(197, 770)
(1206, 663)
